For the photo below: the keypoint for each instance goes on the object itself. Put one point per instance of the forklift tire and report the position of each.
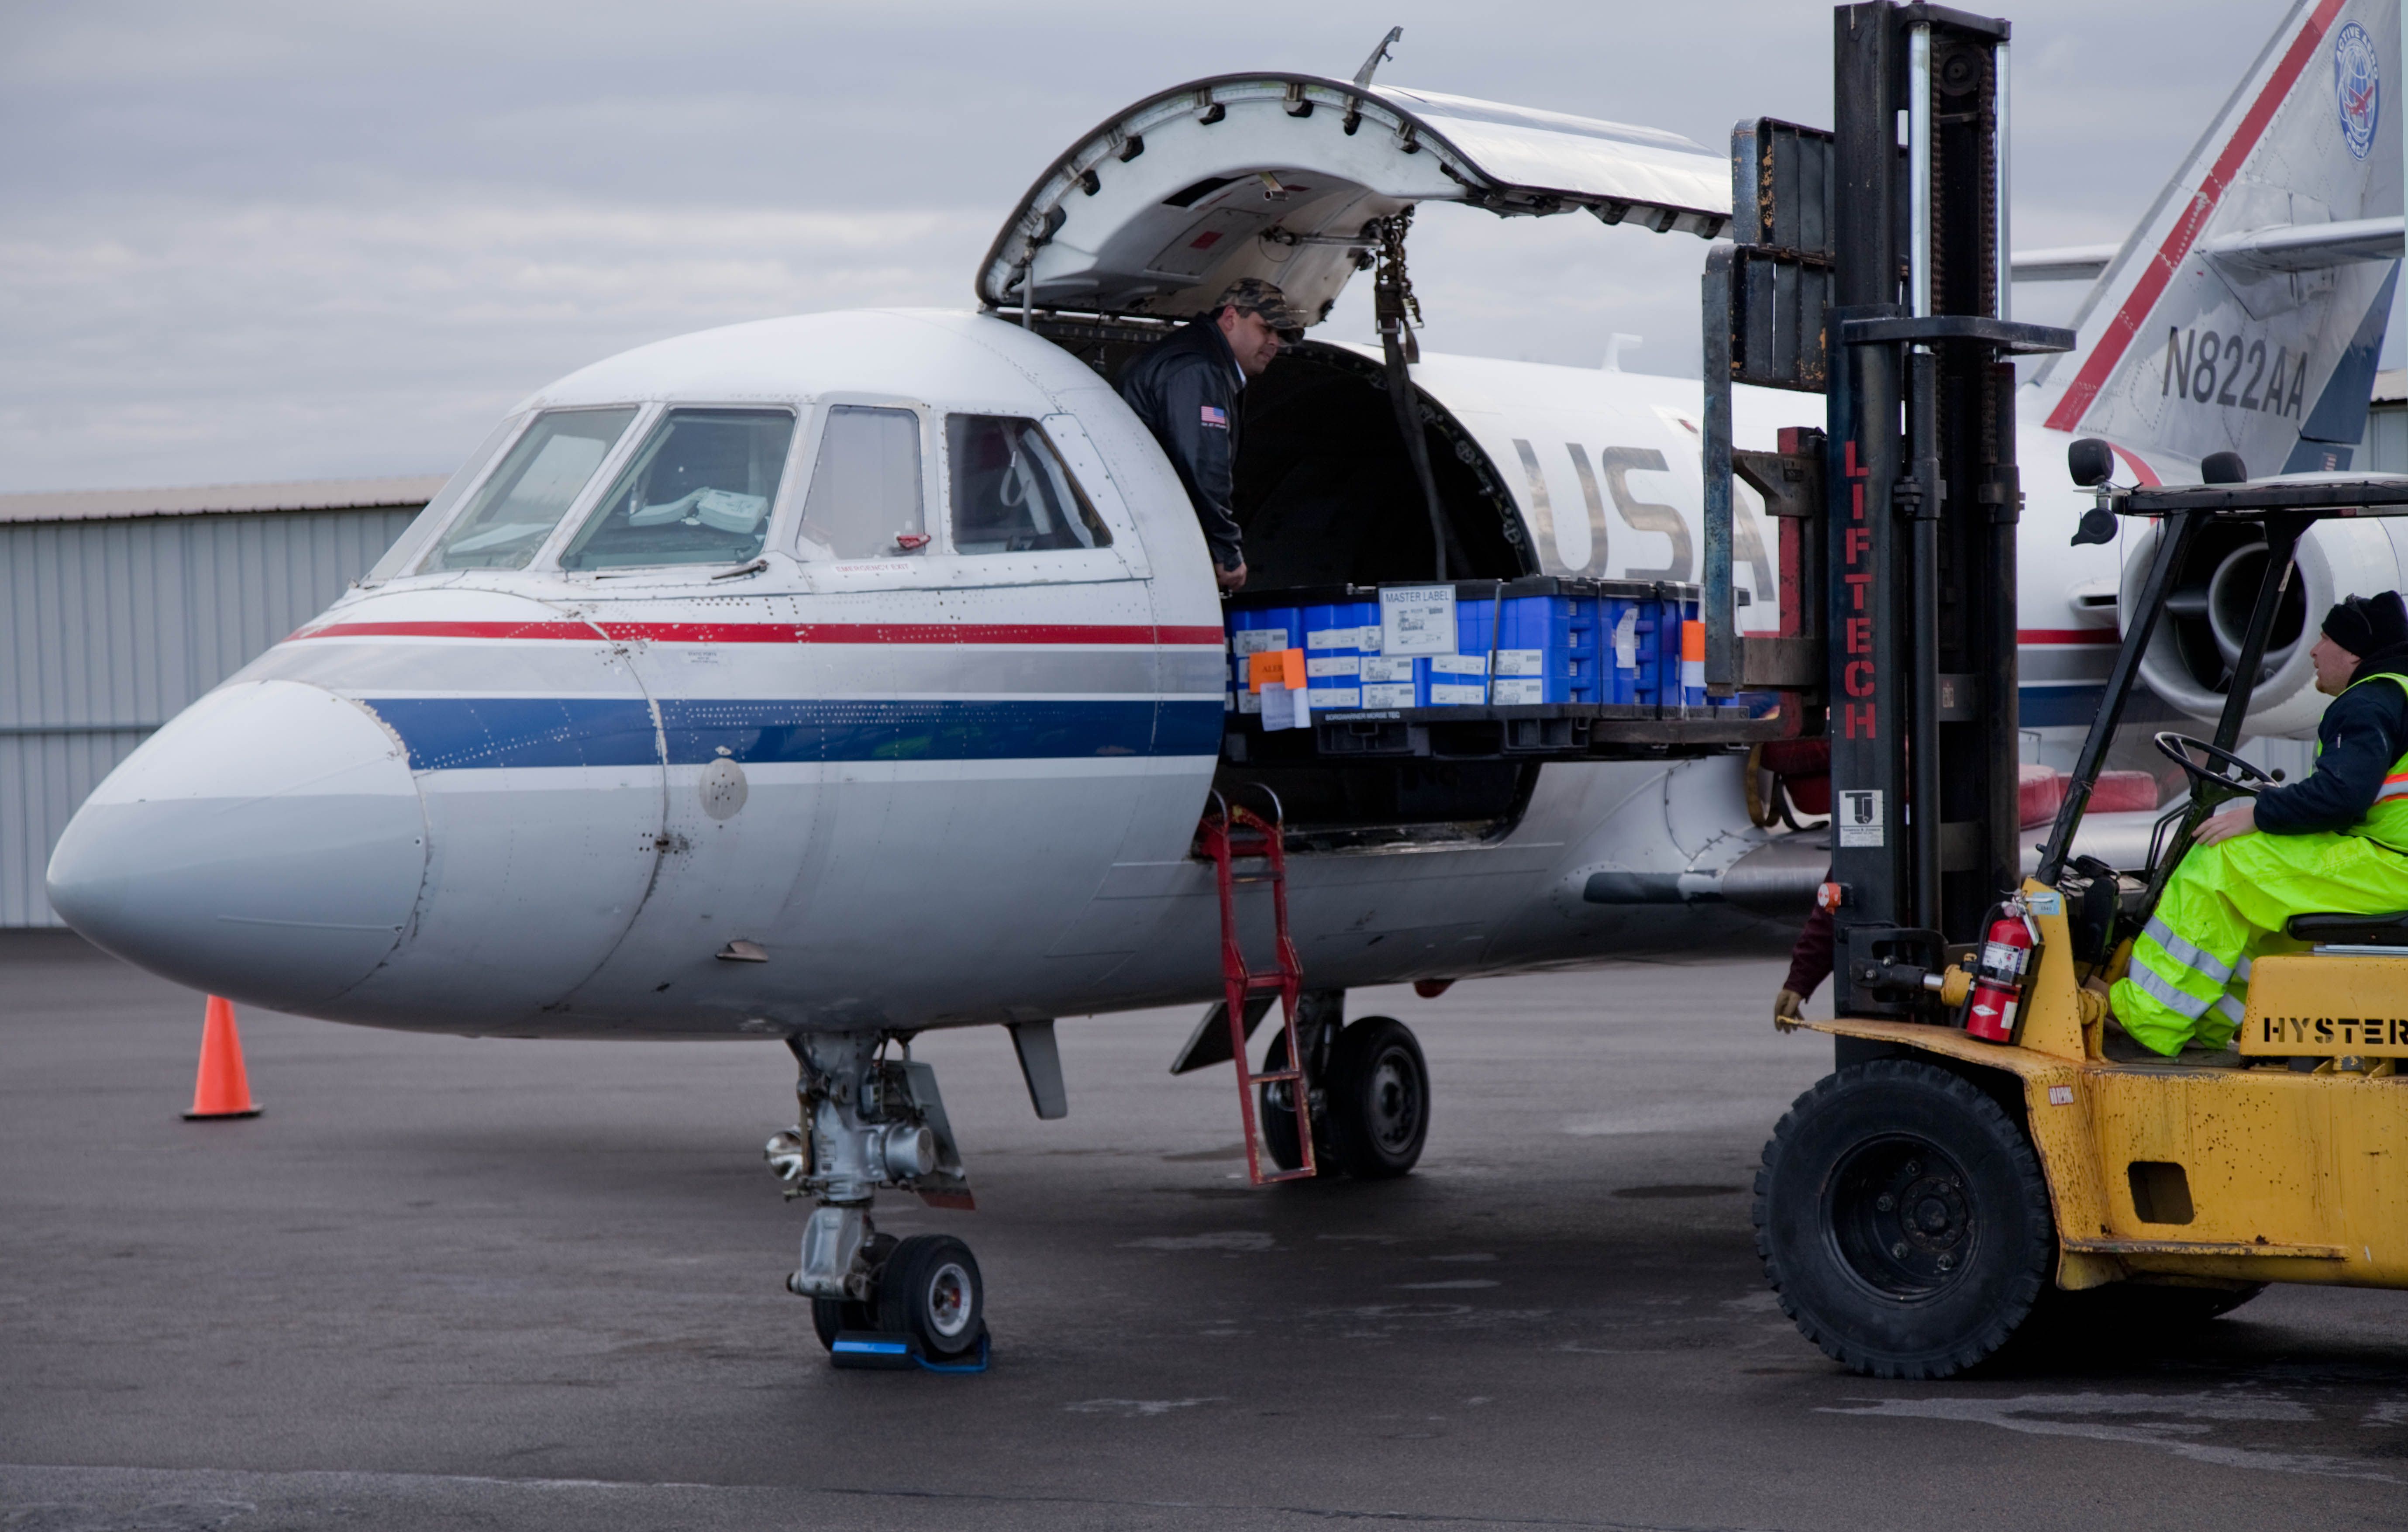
(1378, 1095)
(1903, 1219)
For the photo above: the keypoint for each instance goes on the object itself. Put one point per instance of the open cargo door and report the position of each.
(1278, 176)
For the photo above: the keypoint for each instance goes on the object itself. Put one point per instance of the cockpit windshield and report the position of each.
(700, 491)
(536, 484)
(414, 537)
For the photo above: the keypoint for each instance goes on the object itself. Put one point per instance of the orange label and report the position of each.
(1276, 667)
(1692, 641)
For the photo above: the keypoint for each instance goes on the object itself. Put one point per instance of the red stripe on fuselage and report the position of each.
(781, 632)
(2127, 323)
(583, 631)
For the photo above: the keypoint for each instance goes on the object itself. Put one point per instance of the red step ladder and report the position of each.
(1230, 836)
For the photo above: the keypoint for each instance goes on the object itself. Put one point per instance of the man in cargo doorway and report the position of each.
(1185, 390)
(2335, 841)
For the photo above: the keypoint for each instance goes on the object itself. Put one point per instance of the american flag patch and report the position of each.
(1216, 416)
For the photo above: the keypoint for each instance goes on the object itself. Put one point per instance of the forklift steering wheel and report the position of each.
(2237, 775)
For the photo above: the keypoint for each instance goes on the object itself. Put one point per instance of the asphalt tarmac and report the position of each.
(447, 1284)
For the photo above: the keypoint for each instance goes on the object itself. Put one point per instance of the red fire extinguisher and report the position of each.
(1998, 977)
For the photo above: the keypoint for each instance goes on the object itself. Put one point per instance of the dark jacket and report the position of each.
(2364, 731)
(1185, 390)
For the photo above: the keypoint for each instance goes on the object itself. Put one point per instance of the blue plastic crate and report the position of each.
(1619, 645)
(1250, 631)
(1639, 645)
(1338, 636)
(1548, 651)
(1684, 684)
(1459, 680)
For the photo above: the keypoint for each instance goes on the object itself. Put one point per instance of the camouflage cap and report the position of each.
(1254, 295)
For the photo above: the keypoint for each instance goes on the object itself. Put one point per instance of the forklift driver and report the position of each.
(1185, 390)
(2336, 840)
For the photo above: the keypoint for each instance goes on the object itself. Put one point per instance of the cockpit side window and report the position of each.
(1012, 493)
(426, 524)
(699, 491)
(532, 489)
(866, 500)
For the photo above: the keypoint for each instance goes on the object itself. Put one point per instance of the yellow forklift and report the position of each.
(1917, 1205)
(1986, 1148)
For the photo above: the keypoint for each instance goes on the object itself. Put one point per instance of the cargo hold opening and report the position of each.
(1326, 493)
(1325, 496)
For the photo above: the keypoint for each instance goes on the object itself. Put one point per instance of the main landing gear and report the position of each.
(869, 1121)
(1367, 1086)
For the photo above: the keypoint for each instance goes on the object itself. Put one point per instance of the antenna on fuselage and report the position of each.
(1378, 56)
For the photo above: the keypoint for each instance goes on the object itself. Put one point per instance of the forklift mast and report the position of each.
(1920, 498)
(1920, 479)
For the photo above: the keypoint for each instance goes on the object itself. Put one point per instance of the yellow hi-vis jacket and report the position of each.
(2188, 980)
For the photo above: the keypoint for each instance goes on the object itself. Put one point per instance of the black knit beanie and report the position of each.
(2364, 623)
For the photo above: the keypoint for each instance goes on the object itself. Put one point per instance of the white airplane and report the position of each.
(836, 678)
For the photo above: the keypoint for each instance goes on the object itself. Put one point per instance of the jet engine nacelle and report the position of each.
(2190, 657)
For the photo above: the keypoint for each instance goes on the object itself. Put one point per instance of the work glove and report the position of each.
(1789, 1009)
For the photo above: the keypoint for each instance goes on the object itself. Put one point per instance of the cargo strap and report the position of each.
(1392, 297)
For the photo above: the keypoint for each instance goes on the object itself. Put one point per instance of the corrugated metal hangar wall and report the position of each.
(117, 609)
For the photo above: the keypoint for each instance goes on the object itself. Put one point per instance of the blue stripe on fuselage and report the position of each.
(451, 734)
(455, 733)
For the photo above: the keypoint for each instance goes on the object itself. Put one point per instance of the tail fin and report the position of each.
(2246, 311)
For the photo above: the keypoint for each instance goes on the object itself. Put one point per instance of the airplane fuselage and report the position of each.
(933, 787)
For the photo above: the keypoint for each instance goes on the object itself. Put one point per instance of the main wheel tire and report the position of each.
(1377, 1090)
(1276, 1110)
(1903, 1219)
(931, 1291)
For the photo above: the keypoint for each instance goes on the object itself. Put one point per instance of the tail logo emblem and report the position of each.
(2357, 87)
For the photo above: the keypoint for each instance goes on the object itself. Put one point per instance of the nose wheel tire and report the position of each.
(831, 1315)
(931, 1291)
(1378, 1095)
(1903, 1219)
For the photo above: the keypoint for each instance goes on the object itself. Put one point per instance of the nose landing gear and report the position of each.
(869, 1121)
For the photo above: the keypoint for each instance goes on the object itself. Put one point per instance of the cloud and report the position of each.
(164, 341)
(257, 240)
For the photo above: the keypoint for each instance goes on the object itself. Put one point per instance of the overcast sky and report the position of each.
(258, 241)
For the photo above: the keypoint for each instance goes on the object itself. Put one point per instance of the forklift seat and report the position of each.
(2353, 930)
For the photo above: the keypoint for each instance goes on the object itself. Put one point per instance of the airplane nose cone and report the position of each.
(266, 845)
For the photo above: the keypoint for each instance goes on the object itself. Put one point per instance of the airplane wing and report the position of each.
(2282, 247)
(2062, 263)
(2310, 247)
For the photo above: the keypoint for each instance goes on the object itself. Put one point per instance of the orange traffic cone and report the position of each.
(221, 1089)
